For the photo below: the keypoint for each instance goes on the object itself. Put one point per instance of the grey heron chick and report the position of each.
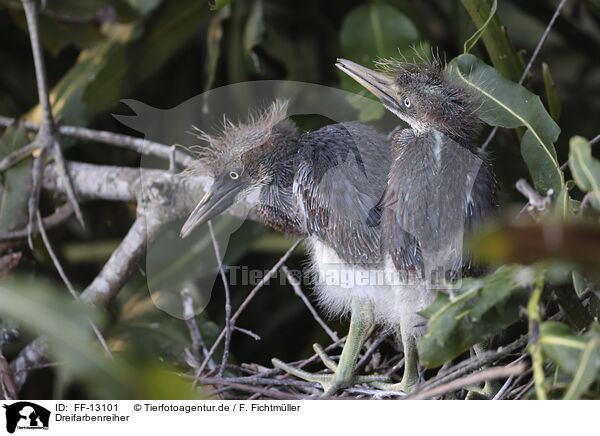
(439, 186)
(326, 185)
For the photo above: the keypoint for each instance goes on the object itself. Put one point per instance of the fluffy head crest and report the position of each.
(437, 99)
(235, 139)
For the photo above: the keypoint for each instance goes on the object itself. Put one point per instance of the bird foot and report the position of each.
(331, 383)
(406, 385)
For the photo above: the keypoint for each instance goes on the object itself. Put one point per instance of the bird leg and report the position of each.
(490, 387)
(410, 378)
(361, 320)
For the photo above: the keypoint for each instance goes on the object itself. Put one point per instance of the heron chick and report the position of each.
(439, 186)
(328, 186)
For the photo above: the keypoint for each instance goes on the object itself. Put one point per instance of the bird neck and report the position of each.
(277, 207)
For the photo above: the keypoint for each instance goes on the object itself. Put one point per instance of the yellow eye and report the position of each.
(234, 175)
(407, 102)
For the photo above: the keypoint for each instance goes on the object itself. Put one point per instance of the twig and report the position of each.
(30, 7)
(531, 60)
(17, 155)
(542, 40)
(61, 167)
(198, 344)
(472, 364)
(59, 216)
(139, 145)
(227, 300)
(533, 197)
(247, 300)
(298, 291)
(376, 343)
(247, 332)
(66, 280)
(471, 379)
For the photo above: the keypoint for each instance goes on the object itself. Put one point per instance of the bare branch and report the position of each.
(58, 217)
(530, 63)
(227, 299)
(190, 319)
(471, 379)
(247, 300)
(139, 145)
(298, 291)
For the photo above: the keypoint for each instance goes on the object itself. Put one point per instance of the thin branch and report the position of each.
(247, 300)
(376, 343)
(247, 332)
(139, 145)
(227, 300)
(542, 40)
(31, 14)
(61, 167)
(473, 364)
(298, 291)
(190, 319)
(533, 197)
(531, 60)
(471, 379)
(60, 215)
(17, 156)
(66, 280)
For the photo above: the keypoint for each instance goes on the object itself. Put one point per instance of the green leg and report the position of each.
(410, 378)
(490, 387)
(361, 321)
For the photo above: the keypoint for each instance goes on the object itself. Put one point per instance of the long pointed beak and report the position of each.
(212, 204)
(381, 85)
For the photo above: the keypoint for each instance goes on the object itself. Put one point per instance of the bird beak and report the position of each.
(214, 202)
(381, 85)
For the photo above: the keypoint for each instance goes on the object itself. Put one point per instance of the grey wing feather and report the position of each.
(341, 181)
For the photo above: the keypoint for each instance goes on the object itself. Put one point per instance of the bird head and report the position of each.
(421, 94)
(241, 158)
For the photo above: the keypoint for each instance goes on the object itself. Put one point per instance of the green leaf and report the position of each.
(580, 283)
(585, 169)
(579, 356)
(497, 43)
(15, 181)
(565, 207)
(369, 32)
(104, 74)
(469, 43)
(551, 94)
(40, 308)
(254, 31)
(214, 35)
(479, 309)
(507, 104)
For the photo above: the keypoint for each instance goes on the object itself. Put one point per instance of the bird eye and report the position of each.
(407, 102)
(234, 175)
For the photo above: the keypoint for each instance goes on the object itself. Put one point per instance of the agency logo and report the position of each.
(26, 415)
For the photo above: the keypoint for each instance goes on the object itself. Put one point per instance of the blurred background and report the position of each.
(163, 52)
